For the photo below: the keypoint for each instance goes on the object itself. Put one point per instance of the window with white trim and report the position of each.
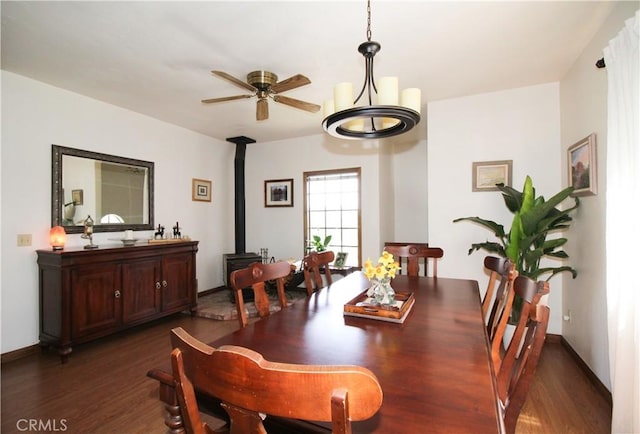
(332, 207)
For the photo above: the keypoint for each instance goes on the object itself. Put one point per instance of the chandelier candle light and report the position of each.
(343, 118)
(380, 276)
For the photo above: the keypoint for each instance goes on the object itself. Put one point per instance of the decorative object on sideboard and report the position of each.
(176, 231)
(88, 233)
(128, 239)
(581, 159)
(57, 237)
(159, 233)
(346, 120)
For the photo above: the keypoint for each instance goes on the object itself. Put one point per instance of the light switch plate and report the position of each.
(24, 240)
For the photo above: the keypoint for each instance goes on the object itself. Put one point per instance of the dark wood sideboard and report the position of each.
(88, 294)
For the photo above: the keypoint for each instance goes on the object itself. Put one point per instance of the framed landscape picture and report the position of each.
(486, 174)
(581, 158)
(278, 192)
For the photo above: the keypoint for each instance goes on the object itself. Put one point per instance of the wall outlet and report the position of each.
(24, 240)
(567, 317)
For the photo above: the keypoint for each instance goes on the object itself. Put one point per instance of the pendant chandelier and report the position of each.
(393, 114)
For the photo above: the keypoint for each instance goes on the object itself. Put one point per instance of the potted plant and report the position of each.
(318, 244)
(526, 242)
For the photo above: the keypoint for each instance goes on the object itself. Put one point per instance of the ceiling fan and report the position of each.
(263, 85)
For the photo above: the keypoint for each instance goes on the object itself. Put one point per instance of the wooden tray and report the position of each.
(364, 307)
(168, 240)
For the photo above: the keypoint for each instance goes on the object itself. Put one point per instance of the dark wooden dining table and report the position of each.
(434, 369)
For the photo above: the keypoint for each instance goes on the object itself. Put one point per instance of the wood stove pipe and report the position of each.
(239, 191)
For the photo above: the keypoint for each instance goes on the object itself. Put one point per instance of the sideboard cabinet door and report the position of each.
(96, 299)
(141, 290)
(176, 285)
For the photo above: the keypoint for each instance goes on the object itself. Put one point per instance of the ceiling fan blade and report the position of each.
(290, 83)
(262, 110)
(234, 80)
(226, 98)
(303, 105)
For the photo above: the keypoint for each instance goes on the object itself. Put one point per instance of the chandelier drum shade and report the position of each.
(393, 113)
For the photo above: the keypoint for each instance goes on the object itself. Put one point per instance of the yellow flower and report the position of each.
(386, 258)
(369, 270)
(386, 268)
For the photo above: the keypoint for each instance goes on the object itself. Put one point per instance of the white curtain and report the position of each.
(623, 225)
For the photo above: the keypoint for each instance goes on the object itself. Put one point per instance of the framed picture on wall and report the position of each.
(201, 190)
(278, 192)
(581, 158)
(486, 174)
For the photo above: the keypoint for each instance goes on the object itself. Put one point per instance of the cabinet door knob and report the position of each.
(164, 283)
(157, 285)
(117, 294)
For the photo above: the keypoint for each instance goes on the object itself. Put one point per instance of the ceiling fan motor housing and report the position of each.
(262, 80)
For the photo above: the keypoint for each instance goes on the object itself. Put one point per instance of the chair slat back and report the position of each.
(411, 253)
(498, 302)
(312, 266)
(255, 276)
(247, 384)
(501, 270)
(525, 369)
(515, 368)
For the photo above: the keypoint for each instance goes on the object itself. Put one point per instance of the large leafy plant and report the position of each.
(526, 243)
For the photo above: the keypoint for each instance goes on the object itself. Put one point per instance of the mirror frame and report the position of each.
(57, 199)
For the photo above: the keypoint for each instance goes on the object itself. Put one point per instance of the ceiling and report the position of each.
(155, 57)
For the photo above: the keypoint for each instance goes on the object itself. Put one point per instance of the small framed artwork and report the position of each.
(201, 190)
(486, 174)
(341, 260)
(77, 196)
(278, 192)
(581, 158)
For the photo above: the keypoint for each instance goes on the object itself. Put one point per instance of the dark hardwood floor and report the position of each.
(104, 389)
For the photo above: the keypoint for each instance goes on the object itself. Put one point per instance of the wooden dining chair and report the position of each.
(516, 379)
(498, 300)
(312, 264)
(255, 276)
(517, 367)
(251, 388)
(530, 292)
(501, 271)
(413, 254)
(518, 362)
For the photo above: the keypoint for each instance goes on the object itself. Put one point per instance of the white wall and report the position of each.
(35, 116)
(522, 125)
(281, 229)
(410, 191)
(583, 103)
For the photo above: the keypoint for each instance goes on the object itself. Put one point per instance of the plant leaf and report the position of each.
(497, 229)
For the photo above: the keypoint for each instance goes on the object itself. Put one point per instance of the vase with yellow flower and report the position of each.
(380, 275)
